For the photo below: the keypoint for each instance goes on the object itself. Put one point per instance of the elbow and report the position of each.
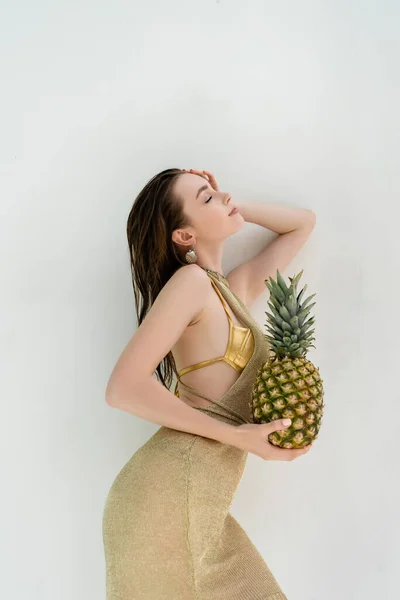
(312, 217)
(110, 400)
(111, 396)
(120, 394)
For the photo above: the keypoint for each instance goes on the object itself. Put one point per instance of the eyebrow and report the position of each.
(203, 187)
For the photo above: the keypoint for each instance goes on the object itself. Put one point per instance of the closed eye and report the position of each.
(208, 199)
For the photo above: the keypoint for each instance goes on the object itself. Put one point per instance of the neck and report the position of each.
(210, 258)
(217, 276)
(217, 272)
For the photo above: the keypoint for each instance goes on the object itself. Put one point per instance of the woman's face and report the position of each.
(207, 209)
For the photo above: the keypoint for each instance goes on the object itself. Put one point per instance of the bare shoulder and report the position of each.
(188, 278)
(178, 304)
(189, 283)
(188, 273)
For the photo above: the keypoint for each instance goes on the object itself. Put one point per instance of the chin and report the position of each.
(237, 218)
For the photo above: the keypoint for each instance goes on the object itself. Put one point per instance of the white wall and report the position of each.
(295, 102)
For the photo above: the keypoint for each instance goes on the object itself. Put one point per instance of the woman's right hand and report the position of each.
(253, 438)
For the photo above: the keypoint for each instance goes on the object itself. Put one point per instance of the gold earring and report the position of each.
(191, 256)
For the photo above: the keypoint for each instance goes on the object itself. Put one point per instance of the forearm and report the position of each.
(151, 401)
(276, 217)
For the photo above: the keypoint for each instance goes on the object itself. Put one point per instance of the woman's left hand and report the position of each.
(206, 175)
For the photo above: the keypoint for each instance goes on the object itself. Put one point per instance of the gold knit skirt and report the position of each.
(167, 530)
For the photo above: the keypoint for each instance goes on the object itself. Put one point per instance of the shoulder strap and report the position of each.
(223, 301)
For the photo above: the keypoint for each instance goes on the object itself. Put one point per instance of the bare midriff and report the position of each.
(214, 385)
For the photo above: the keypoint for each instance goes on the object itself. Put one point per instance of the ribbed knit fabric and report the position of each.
(168, 532)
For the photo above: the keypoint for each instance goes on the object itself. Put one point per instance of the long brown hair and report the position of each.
(154, 257)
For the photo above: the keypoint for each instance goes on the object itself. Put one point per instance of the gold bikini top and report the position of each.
(238, 351)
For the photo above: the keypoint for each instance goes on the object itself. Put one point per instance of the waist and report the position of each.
(222, 415)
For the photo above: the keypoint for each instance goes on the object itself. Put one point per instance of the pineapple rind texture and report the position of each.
(288, 384)
(289, 387)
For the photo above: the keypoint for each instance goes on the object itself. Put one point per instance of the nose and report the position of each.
(227, 198)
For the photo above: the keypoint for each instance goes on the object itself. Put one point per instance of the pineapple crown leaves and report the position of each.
(287, 320)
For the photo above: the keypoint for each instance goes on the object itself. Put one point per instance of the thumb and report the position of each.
(279, 424)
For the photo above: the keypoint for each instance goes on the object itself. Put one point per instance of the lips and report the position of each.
(234, 208)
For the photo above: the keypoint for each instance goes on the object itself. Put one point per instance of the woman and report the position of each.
(167, 530)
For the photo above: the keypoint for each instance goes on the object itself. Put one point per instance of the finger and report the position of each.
(212, 179)
(277, 425)
(206, 176)
(198, 172)
(288, 454)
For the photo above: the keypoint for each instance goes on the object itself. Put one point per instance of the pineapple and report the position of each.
(289, 385)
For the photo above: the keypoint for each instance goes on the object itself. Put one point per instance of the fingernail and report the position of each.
(287, 421)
